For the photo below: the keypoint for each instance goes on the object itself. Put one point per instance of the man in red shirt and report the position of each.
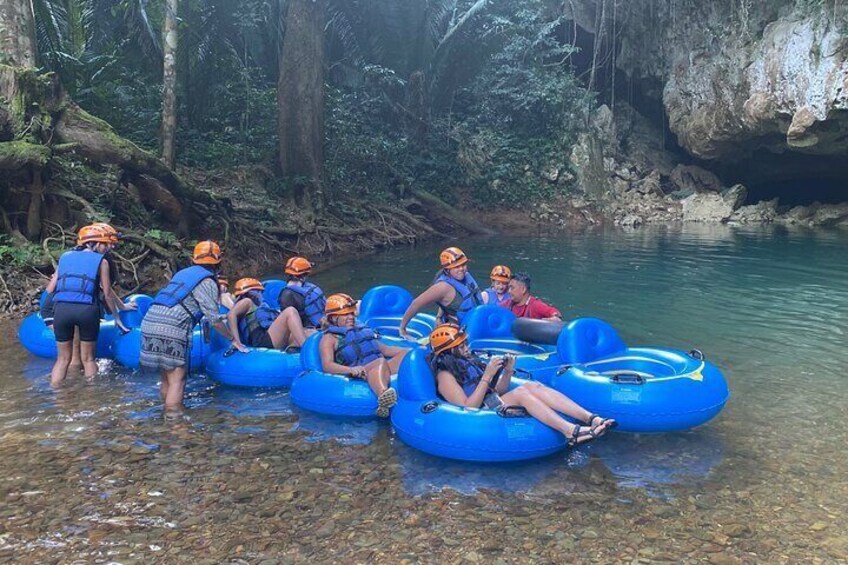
(523, 305)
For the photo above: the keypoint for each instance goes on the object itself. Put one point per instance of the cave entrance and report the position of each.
(796, 179)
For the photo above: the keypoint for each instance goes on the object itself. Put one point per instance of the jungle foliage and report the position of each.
(468, 99)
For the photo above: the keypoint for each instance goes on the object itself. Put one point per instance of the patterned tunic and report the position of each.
(166, 332)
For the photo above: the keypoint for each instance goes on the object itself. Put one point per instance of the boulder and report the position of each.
(587, 160)
(652, 184)
(713, 208)
(800, 214)
(830, 215)
(763, 212)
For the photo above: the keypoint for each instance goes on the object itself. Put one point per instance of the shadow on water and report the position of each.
(424, 473)
(655, 460)
(345, 431)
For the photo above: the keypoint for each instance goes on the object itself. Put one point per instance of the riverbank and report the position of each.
(95, 474)
(262, 227)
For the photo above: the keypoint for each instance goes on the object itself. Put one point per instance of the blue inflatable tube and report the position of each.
(260, 368)
(430, 424)
(382, 309)
(644, 389)
(39, 340)
(325, 393)
(489, 330)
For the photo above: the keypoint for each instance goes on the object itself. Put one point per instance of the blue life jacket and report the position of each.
(79, 277)
(467, 297)
(314, 301)
(257, 318)
(467, 372)
(358, 345)
(493, 296)
(181, 285)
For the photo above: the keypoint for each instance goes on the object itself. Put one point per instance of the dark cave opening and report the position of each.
(797, 179)
(794, 177)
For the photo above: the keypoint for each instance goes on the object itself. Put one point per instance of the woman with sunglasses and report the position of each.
(465, 380)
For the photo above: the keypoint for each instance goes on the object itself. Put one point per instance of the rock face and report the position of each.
(738, 76)
(712, 207)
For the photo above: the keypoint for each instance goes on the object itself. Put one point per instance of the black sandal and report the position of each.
(592, 417)
(576, 434)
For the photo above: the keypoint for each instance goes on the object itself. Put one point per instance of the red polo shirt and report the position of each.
(535, 309)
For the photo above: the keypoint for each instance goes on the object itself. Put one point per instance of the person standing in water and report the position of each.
(166, 331)
(497, 293)
(454, 291)
(80, 277)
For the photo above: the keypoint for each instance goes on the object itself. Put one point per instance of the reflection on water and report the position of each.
(91, 472)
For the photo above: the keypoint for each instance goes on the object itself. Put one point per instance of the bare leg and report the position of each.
(296, 334)
(279, 333)
(395, 362)
(89, 364)
(76, 356)
(176, 379)
(63, 360)
(163, 385)
(379, 378)
(557, 401)
(542, 412)
(379, 375)
(564, 405)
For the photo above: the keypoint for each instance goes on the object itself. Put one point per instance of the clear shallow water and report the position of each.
(91, 471)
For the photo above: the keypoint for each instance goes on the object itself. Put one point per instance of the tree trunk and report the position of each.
(17, 33)
(169, 83)
(300, 101)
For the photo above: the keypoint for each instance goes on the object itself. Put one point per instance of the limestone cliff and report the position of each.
(741, 75)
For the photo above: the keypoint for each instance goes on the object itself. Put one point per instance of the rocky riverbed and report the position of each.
(92, 474)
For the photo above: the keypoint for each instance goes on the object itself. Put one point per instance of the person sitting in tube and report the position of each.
(226, 298)
(497, 293)
(253, 322)
(348, 348)
(525, 305)
(465, 380)
(301, 301)
(454, 291)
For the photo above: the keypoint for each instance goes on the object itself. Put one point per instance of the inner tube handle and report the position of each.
(564, 369)
(628, 378)
(697, 354)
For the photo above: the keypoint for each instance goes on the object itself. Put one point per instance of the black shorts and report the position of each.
(260, 338)
(69, 315)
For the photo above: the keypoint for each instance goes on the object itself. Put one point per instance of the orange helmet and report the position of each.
(339, 305)
(500, 273)
(244, 286)
(452, 257)
(92, 234)
(446, 336)
(207, 253)
(298, 266)
(113, 234)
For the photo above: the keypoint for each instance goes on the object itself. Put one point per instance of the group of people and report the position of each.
(82, 286)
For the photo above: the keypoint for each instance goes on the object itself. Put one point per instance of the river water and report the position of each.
(92, 473)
